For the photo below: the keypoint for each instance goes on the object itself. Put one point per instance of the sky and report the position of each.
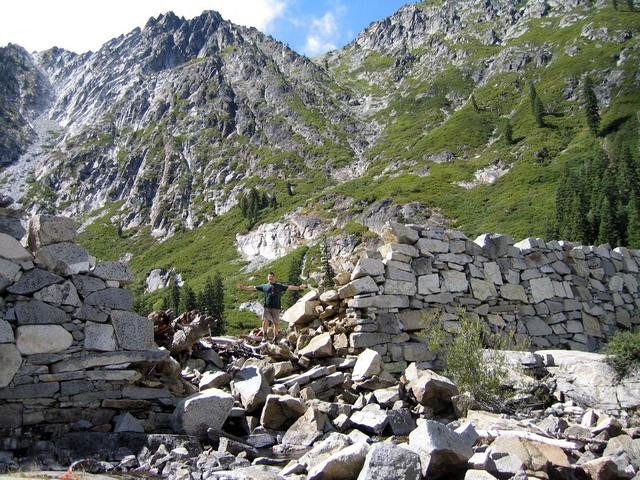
(310, 27)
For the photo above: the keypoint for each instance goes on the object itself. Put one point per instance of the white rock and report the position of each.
(319, 346)
(35, 339)
(47, 229)
(440, 448)
(369, 363)
(387, 461)
(368, 267)
(100, 337)
(341, 465)
(251, 387)
(200, 411)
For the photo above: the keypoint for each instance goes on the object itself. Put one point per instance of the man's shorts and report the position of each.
(271, 315)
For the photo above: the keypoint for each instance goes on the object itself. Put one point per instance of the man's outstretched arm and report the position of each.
(249, 288)
(297, 287)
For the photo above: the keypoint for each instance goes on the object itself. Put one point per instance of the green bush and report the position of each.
(472, 368)
(623, 353)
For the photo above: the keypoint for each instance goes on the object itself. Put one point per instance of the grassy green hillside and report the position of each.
(427, 115)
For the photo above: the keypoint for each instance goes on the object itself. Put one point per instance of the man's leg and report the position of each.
(265, 325)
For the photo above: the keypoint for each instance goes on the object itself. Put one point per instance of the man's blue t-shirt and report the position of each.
(272, 294)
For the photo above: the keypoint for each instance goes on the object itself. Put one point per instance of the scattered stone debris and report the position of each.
(324, 401)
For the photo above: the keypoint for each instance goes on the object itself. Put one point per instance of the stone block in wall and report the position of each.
(34, 280)
(421, 266)
(395, 232)
(482, 289)
(11, 249)
(89, 313)
(417, 352)
(114, 298)
(440, 298)
(59, 294)
(108, 358)
(428, 246)
(47, 229)
(494, 245)
(411, 320)
(364, 340)
(492, 272)
(429, 284)
(397, 287)
(358, 286)
(514, 292)
(400, 275)
(398, 251)
(8, 273)
(64, 258)
(380, 301)
(86, 284)
(10, 361)
(537, 327)
(36, 312)
(11, 415)
(368, 267)
(6, 332)
(31, 391)
(35, 339)
(133, 331)
(113, 271)
(541, 289)
(616, 283)
(591, 326)
(630, 283)
(455, 281)
(100, 337)
(455, 258)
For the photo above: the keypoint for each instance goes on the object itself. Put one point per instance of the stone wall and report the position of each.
(72, 354)
(555, 294)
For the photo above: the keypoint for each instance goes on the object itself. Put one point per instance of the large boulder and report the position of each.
(302, 312)
(36, 339)
(342, 465)
(387, 461)
(251, 387)
(433, 390)
(371, 419)
(358, 286)
(306, 430)
(319, 346)
(201, 411)
(369, 363)
(46, 230)
(509, 454)
(279, 410)
(442, 451)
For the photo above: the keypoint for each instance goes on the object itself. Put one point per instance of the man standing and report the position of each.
(272, 305)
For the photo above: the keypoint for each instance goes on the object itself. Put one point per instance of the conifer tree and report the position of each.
(508, 133)
(328, 274)
(474, 103)
(533, 95)
(175, 297)
(217, 307)
(607, 231)
(631, 5)
(166, 302)
(615, 4)
(207, 297)
(590, 105)
(628, 179)
(293, 278)
(538, 112)
(633, 223)
(188, 299)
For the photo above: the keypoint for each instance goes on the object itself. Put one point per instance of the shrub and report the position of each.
(472, 368)
(623, 353)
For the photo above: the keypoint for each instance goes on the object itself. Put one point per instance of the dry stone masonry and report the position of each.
(71, 351)
(553, 294)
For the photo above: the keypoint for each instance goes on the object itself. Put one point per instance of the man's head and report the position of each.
(271, 278)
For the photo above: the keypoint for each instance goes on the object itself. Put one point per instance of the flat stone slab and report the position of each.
(114, 298)
(34, 390)
(109, 358)
(133, 331)
(33, 280)
(86, 284)
(37, 312)
(116, 271)
(64, 258)
(35, 339)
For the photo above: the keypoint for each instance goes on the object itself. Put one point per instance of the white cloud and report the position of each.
(82, 25)
(322, 34)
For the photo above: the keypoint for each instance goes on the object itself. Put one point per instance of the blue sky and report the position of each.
(308, 26)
